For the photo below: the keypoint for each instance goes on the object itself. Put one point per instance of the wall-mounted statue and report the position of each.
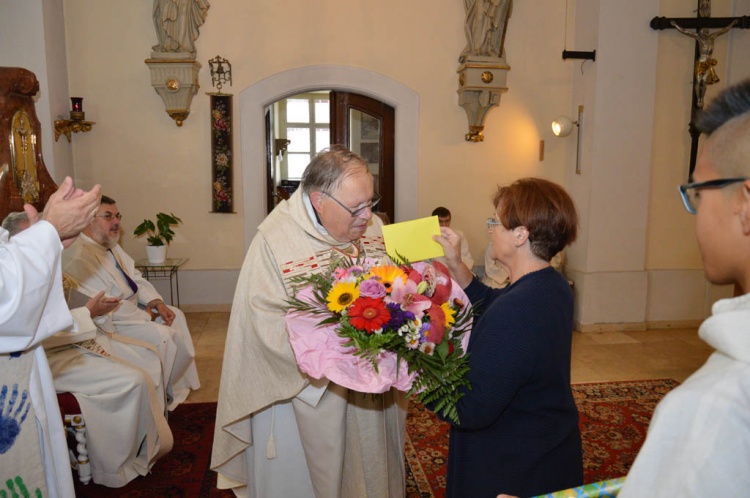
(177, 23)
(486, 21)
(483, 70)
(173, 65)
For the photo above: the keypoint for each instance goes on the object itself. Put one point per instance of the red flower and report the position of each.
(436, 332)
(443, 284)
(369, 314)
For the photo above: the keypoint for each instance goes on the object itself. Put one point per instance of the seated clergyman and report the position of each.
(98, 263)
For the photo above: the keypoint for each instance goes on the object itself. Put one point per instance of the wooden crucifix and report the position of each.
(704, 73)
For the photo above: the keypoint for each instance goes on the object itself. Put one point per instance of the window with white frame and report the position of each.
(303, 119)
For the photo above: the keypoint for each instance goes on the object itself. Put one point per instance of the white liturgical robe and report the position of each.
(278, 432)
(33, 450)
(113, 393)
(95, 270)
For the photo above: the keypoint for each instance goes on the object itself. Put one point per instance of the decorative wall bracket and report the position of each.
(68, 126)
(76, 123)
(176, 81)
(481, 82)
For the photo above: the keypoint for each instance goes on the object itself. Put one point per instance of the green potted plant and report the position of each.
(158, 235)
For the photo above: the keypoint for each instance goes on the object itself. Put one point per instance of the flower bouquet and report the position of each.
(370, 326)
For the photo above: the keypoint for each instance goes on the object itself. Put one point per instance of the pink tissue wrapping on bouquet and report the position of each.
(320, 352)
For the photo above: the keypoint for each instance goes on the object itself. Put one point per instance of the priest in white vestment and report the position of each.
(98, 263)
(125, 413)
(278, 432)
(112, 390)
(33, 450)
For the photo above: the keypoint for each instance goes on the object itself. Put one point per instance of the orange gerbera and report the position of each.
(369, 314)
(386, 275)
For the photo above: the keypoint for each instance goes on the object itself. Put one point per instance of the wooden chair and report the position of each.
(75, 428)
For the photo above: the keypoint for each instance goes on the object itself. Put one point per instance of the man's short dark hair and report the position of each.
(733, 101)
(441, 212)
(108, 201)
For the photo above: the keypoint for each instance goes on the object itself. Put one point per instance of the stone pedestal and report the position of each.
(176, 81)
(481, 82)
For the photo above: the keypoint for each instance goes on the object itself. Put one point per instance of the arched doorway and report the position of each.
(301, 125)
(255, 98)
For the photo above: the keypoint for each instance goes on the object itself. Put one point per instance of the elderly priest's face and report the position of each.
(335, 209)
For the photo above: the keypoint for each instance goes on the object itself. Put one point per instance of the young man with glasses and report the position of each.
(698, 443)
(279, 432)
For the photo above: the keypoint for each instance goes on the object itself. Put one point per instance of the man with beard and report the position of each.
(279, 432)
(98, 263)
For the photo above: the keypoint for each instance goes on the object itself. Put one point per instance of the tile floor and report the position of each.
(597, 356)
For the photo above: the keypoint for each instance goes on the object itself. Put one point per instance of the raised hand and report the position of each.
(70, 210)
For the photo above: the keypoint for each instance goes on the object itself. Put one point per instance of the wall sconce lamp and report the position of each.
(562, 127)
(76, 123)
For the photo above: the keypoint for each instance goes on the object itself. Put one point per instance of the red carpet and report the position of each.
(183, 472)
(614, 418)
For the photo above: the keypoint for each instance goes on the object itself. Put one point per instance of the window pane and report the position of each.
(300, 138)
(322, 138)
(297, 164)
(322, 111)
(297, 111)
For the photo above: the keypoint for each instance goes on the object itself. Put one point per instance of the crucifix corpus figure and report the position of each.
(705, 74)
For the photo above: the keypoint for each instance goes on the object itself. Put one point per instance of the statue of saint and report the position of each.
(486, 21)
(705, 74)
(177, 23)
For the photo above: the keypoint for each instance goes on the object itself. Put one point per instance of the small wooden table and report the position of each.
(168, 270)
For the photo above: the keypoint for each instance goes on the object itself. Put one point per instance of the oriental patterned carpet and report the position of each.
(614, 418)
(182, 473)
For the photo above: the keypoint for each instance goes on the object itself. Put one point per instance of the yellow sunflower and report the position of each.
(450, 315)
(341, 296)
(386, 275)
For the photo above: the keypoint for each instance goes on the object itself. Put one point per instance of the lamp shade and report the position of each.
(562, 126)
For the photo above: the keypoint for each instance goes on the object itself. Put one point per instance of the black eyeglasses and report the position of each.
(356, 212)
(109, 216)
(689, 191)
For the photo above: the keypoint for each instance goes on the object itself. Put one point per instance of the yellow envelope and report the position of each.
(413, 239)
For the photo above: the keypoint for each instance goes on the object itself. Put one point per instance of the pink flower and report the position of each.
(405, 294)
(372, 288)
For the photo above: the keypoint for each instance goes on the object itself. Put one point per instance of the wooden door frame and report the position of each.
(341, 104)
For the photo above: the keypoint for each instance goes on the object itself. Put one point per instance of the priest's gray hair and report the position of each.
(16, 222)
(329, 167)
